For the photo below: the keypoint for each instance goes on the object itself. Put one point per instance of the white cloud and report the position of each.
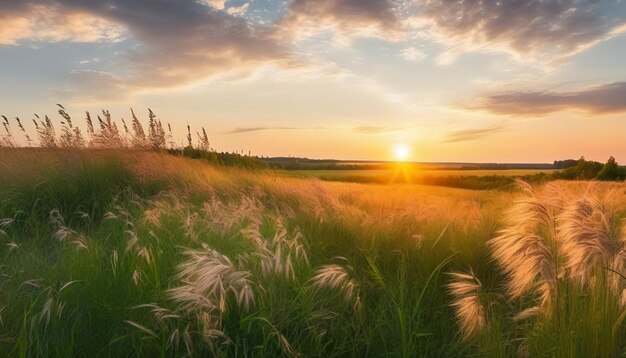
(412, 54)
(238, 11)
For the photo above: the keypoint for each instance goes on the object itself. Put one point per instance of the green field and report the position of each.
(333, 174)
(408, 174)
(113, 253)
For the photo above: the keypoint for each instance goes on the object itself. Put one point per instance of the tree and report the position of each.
(583, 170)
(612, 171)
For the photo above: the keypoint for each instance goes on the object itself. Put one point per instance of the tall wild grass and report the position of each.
(106, 253)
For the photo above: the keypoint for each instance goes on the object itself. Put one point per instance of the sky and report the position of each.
(454, 81)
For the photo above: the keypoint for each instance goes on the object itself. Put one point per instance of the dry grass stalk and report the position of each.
(208, 278)
(467, 304)
(525, 248)
(337, 277)
(584, 230)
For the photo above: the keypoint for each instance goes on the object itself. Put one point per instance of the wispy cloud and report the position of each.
(379, 129)
(257, 129)
(472, 134)
(607, 98)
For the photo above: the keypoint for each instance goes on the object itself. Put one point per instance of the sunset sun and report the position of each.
(401, 152)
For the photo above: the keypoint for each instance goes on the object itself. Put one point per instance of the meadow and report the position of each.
(137, 253)
(406, 174)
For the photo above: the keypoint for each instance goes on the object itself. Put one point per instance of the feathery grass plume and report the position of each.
(63, 232)
(528, 313)
(203, 140)
(109, 135)
(278, 254)
(252, 232)
(7, 140)
(170, 137)
(282, 340)
(189, 143)
(66, 139)
(161, 136)
(47, 134)
(29, 141)
(79, 140)
(222, 218)
(585, 232)
(52, 307)
(139, 136)
(90, 130)
(188, 225)
(167, 321)
(152, 129)
(156, 134)
(525, 248)
(126, 132)
(71, 136)
(208, 278)
(338, 277)
(618, 279)
(4, 224)
(467, 304)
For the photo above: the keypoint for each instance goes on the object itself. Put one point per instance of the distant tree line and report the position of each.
(582, 169)
(102, 132)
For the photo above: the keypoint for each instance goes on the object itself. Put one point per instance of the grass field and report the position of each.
(332, 174)
(141, 254)
(407, 174)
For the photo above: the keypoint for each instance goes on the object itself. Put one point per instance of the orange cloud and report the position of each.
(52, 23)
(608, 98)
(471, 134)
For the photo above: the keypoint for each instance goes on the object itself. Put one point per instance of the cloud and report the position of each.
(24, 21)
(218, 4)
(471, 134)
(92, 85)
(88, 61)
(238, 10)
(529, 29)
(185, 41)
(607, 98)
(412, 54)
(177, 42)
(378, 129)
(348, 18)
(257, 129)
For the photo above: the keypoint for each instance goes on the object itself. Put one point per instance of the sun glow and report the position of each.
(401, 152)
